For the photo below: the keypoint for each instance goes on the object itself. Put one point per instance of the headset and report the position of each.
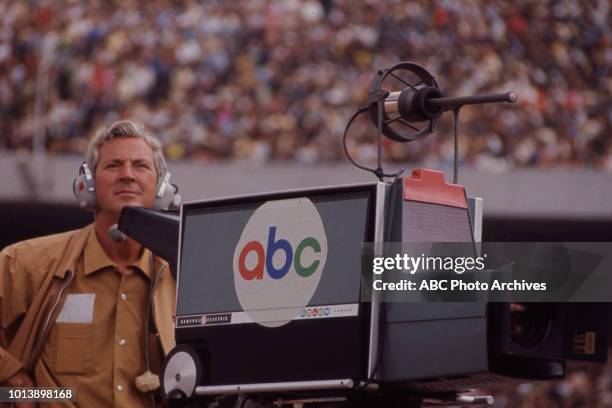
(84, 189)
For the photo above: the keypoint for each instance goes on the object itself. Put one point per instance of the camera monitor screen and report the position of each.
(269, 285)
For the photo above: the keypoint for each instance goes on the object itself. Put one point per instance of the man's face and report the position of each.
(125, 175)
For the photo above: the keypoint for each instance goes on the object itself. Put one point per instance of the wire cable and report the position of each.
(150, 317)
(377, 172)
(361, 110)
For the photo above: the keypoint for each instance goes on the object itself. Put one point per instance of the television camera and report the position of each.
(270, 304)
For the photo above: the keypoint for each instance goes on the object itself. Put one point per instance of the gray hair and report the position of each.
(124, 129)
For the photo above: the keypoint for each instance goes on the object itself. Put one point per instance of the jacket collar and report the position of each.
(73, 251)
(95, 259)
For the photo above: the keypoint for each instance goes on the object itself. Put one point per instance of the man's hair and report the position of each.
(124, 129)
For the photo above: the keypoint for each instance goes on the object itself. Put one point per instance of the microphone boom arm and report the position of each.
(453, 102)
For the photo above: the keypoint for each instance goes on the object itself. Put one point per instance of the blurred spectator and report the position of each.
(585, 386)
(261, 80)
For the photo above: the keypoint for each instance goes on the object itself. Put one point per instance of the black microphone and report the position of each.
(427, 103)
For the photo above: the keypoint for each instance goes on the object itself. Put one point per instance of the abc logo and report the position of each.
(266, 257)
(278, 260)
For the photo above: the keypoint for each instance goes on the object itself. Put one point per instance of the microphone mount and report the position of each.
(412, 113)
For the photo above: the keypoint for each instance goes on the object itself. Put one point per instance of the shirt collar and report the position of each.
(95, 259)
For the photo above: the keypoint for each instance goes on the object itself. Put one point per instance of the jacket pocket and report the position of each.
(71, 348)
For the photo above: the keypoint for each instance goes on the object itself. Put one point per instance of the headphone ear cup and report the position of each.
(169, 200)
(85, 194)
(166, 194)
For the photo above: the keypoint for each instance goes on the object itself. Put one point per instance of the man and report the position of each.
(78, 309)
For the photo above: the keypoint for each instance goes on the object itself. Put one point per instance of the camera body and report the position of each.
(334, 343)
(446, 346)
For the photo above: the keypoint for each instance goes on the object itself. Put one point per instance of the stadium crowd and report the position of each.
(278, 80)
(587, 386)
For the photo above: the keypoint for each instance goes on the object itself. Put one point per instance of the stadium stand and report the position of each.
(277, 80)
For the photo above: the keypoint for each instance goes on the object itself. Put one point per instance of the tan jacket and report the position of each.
(34, 275)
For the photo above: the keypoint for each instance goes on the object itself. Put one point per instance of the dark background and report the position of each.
(22, 220)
